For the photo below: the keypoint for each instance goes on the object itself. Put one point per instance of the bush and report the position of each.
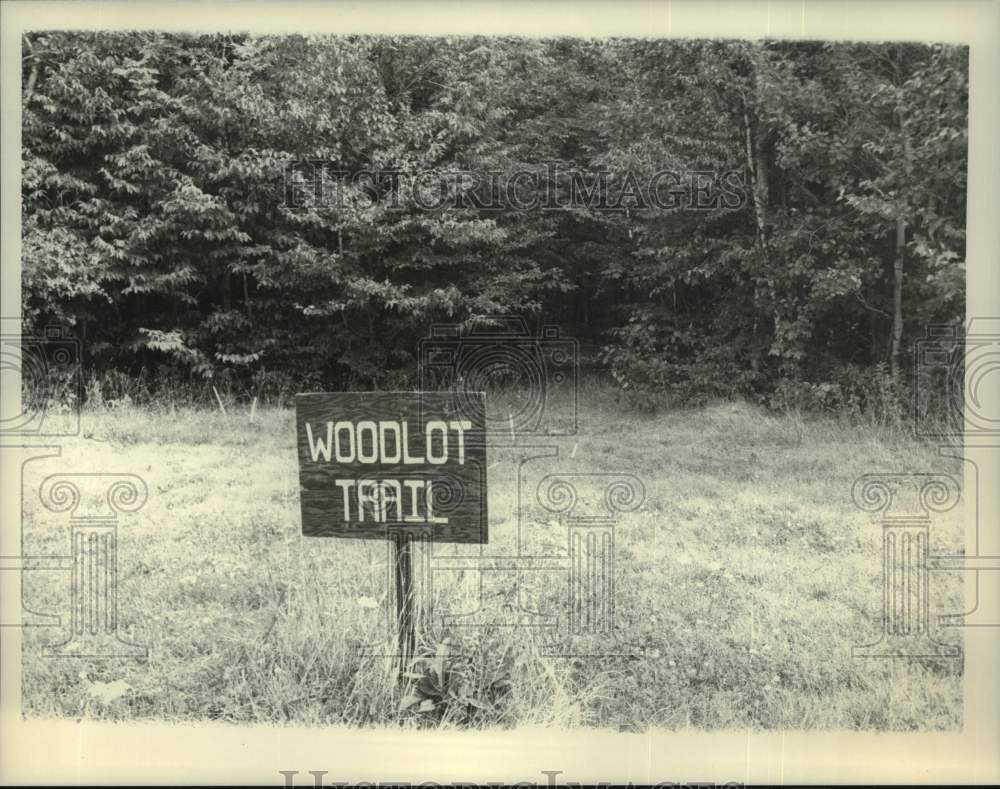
(868, 395)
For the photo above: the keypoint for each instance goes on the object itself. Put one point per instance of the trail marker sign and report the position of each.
(373, 465)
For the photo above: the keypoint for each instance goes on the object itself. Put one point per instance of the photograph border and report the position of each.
(86, 751)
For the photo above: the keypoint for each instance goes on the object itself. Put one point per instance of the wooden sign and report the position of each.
(374, 464)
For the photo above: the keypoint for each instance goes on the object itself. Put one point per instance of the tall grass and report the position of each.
(742, 583)
(871, 401)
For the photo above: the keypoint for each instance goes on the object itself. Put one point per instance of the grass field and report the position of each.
(742, 582)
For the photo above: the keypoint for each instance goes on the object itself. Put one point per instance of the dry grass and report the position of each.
(743, 581)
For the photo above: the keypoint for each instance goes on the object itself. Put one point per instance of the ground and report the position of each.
(742, 582)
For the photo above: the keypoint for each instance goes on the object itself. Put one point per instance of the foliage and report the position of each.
(458, 685)
(247, 622)
(156, 222)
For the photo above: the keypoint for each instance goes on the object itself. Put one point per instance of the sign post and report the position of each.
(393, 465)
(402, 562)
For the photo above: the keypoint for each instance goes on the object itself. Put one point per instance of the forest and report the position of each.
(719, 258)
(172, 225)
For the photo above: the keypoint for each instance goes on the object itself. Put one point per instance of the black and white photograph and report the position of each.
(481, 382)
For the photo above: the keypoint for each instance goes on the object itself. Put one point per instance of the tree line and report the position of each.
(171, 215)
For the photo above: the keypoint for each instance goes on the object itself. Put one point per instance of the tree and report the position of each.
(157, 219)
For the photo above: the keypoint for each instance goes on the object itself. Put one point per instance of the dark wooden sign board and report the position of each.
(391, 465)
(376, 464)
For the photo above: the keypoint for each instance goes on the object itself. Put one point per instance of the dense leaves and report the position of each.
(163, 223)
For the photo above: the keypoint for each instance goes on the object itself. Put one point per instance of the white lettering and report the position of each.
(408, 459)
(345, 485)
(370, 428)
(341, 457)
(316, 446)
(461, 427)
(432, 426)
(383, 428)
(413, 516)
(430, 505)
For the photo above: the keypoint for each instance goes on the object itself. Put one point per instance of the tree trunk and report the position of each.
(246, 298)
(897, 265)
(29, 87)
(761, 188)
(757, 169)
(897, 297)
